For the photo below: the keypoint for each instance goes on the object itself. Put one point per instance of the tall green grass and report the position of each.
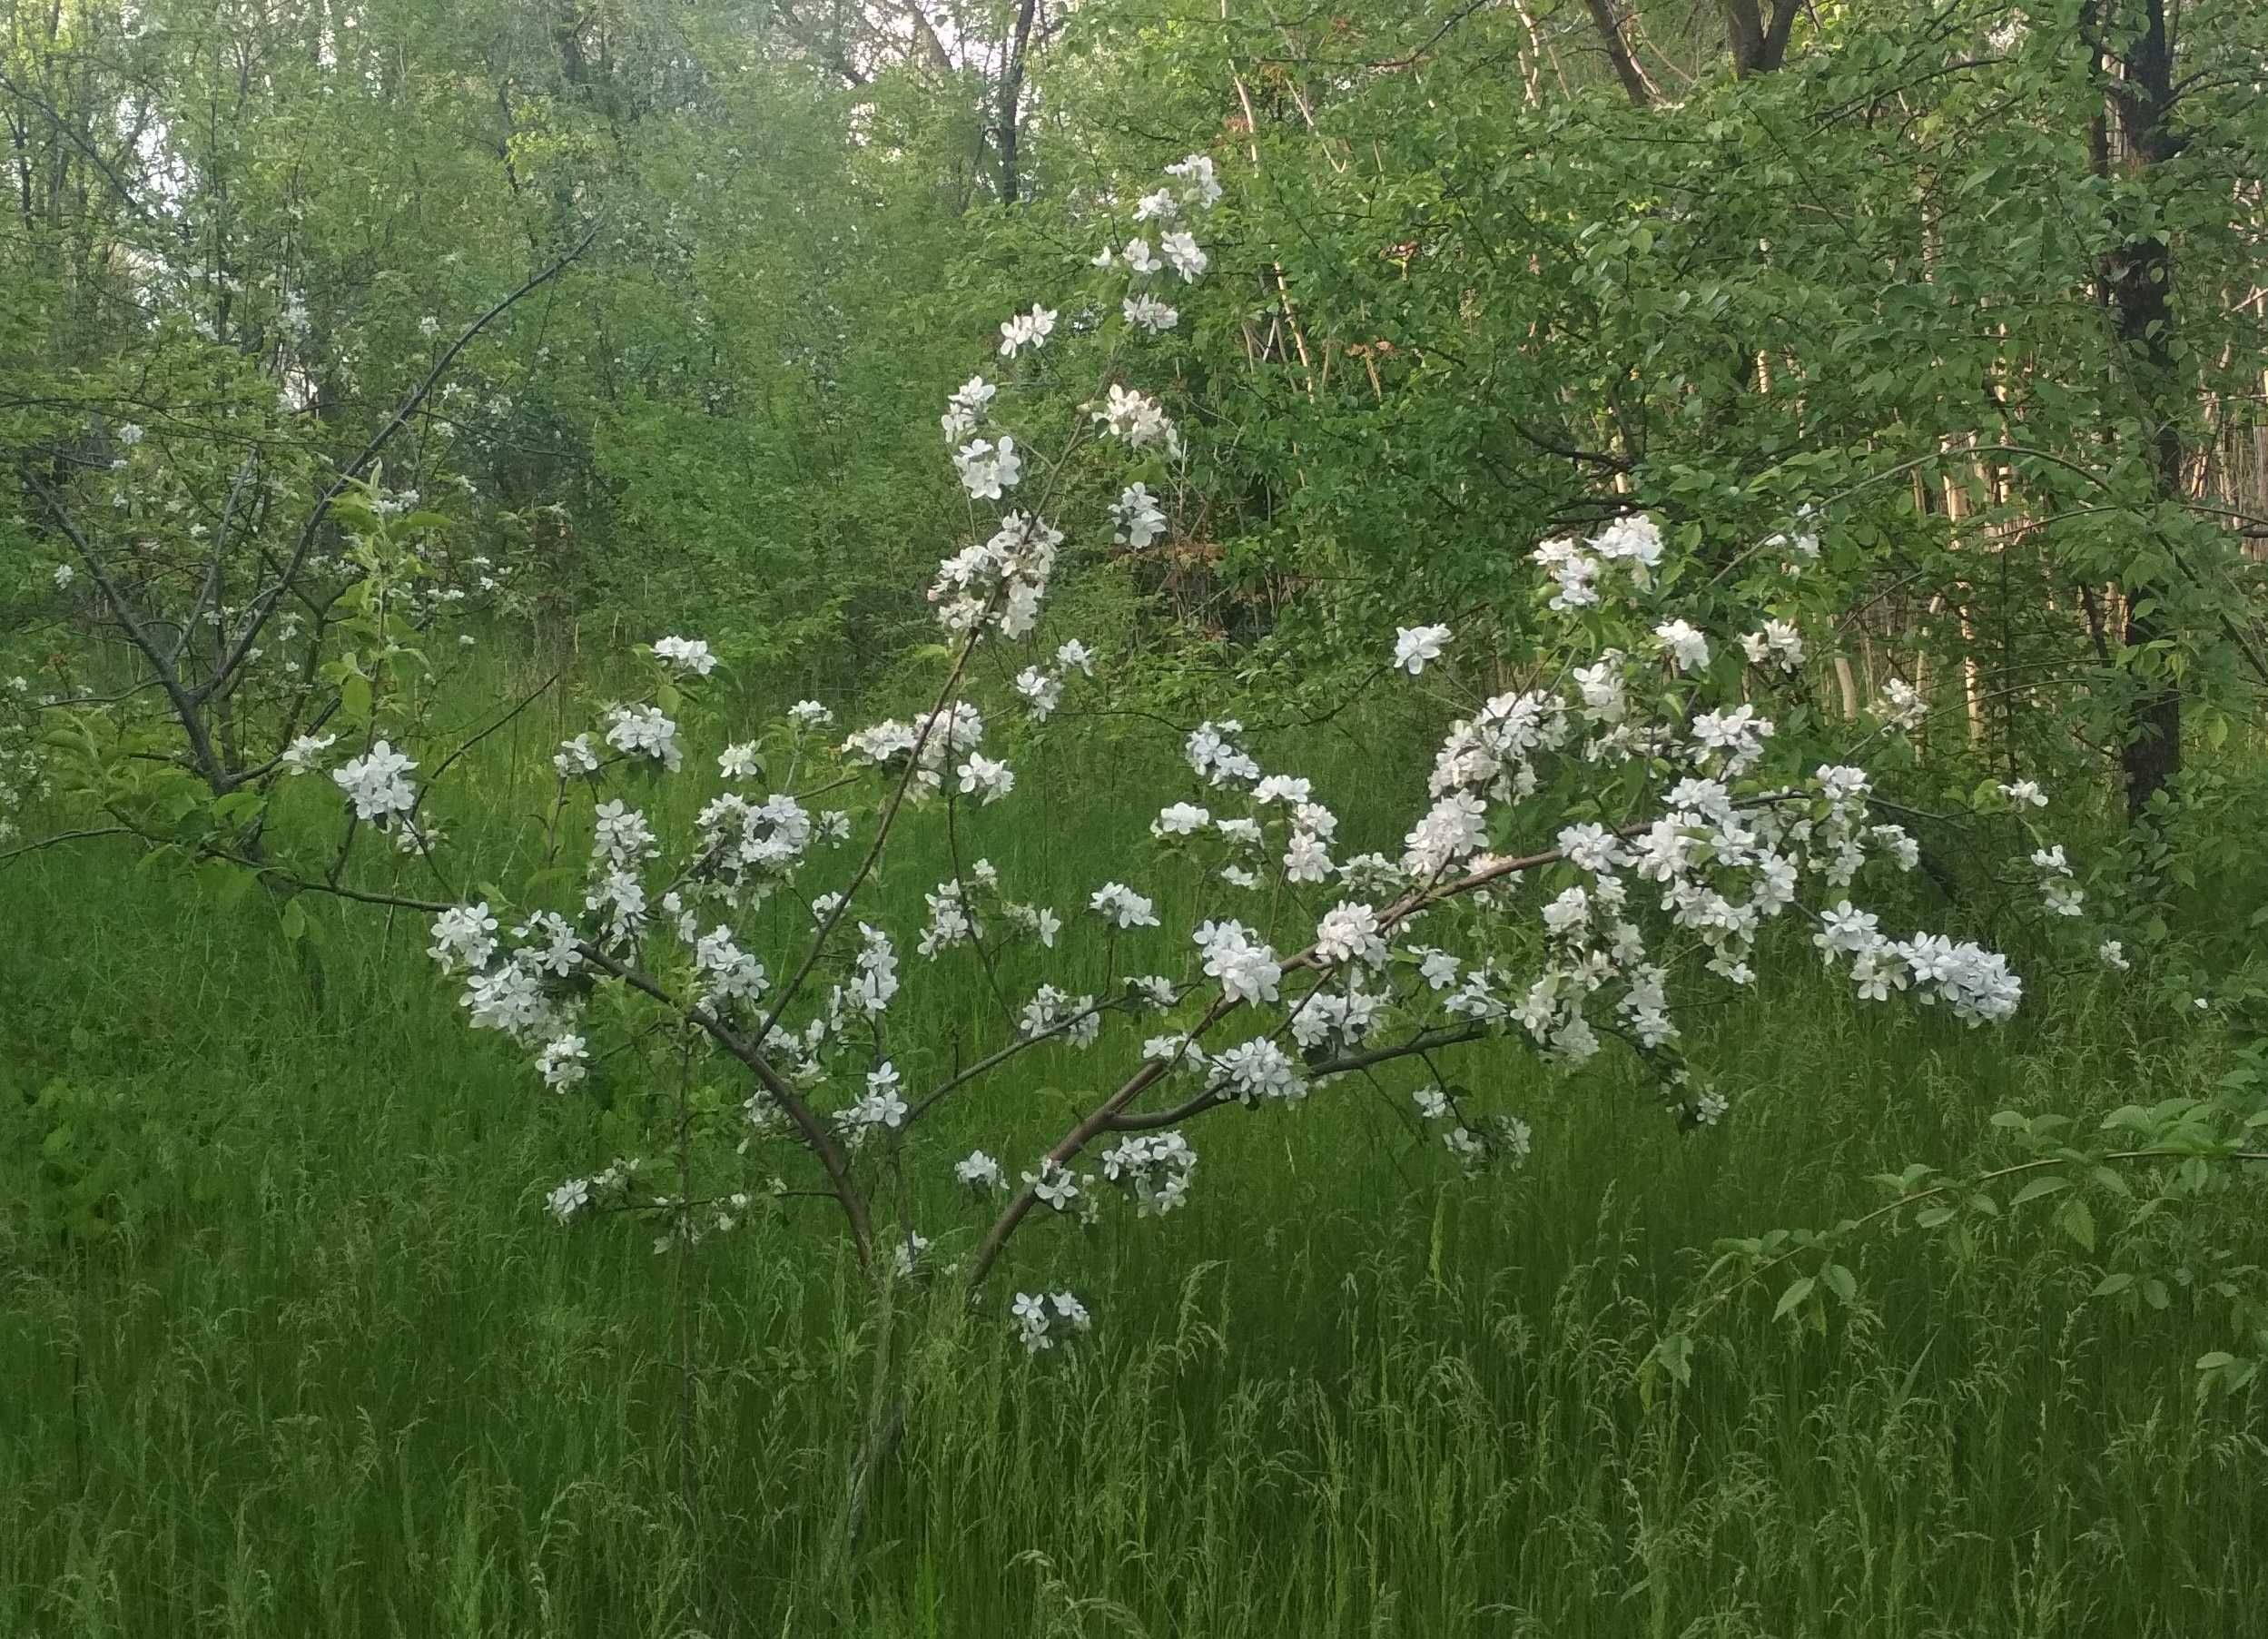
(339, 1375)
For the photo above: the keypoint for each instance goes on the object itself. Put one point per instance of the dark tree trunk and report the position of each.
(2138, 282)
(1011, 97)
(1758, 44)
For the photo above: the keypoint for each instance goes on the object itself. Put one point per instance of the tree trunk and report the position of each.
(2138, 282)
(1759, 45)
(1011, 97)
(1626, 69)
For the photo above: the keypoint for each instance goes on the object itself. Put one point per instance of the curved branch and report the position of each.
(1212, 1098)
(263, 605)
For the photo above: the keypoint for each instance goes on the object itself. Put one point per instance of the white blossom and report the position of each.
(301, 755)
(687, 656)
(1245, 965)
(988, 471)
(1688, 649)
(988, 780)
(1122, 907)
(563, 1061)
(574, 756)
(1183, 254)
(1027, 329)
(1202, 189)
(1414, 645)
(464, 936)
(643, 731)
(1138, 519)
(376, 784)
(979, 1171)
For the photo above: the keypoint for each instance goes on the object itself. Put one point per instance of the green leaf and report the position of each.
(1797, 1290)
(2038, 1187)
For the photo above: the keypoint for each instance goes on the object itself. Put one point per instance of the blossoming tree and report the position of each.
(1621, 825)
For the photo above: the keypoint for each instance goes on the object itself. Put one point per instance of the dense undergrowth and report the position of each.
(331, 1369)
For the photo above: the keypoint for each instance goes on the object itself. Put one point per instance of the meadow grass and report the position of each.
(339, 1374)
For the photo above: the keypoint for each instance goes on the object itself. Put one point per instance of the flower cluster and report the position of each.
(930, 743)
(1154, 1167)
(376, 783)
(1631, 545)
(1041, 1320)
(1001, 580)
(1138, 517)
